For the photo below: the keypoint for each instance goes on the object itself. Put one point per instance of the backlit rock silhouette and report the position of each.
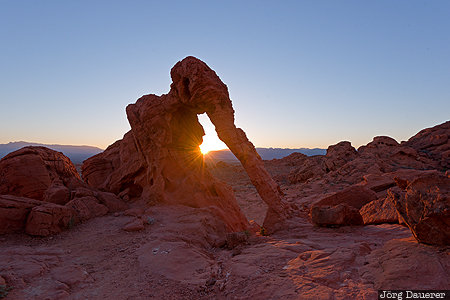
(167, 136)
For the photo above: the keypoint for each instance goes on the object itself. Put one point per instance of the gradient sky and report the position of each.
(300, 73)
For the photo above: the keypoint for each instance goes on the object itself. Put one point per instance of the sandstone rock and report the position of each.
(336, 215)
(112, 202)
(382, 155)
(379, 211)
(82, 191)
(119, 169)
(165, 258)
(433, 143)
(293, 159)
(57, 193)
(44, 174)
(169, 134)
(403, 263)
(425, 208)
(134, 212)
(30, 171)
(378, 182)
(70, 275)
(384, 143)
(404, 177)
(318, 166)
(135, 225)
(235, 239)
(159, 160)
(14, 212)
(87, 207)
(254, 227)
(310, 167)
(342, 208)
(338, 155)
(49, 218)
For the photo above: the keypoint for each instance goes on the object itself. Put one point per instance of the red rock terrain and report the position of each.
(153, 220)
(41, 193)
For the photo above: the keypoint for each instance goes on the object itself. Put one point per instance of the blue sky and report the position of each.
(300, 73)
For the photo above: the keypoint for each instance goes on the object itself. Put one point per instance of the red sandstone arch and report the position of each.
(167, 134)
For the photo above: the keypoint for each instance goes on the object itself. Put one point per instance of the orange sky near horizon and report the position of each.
(301, 74)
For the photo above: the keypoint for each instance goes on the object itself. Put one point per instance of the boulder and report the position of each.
(49, 218)
(135, 225)
(14, 212)
(379, 211)
(30, 171)
(338, 155)
(380, 144)
(87, 207)
(119, 169)
(310, 167)
(337, 215)
(112, 202)
(433, 143)
(47, 176)
(57, 193)
(378, 182)
(424, 206)
(342, 208)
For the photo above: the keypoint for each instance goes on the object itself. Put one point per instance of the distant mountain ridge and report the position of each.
(266, 153)
(77, 154)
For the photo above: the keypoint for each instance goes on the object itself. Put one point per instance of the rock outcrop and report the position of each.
(119, 169)
(41, 193)
(32, 171)
(14, 212)
(379, 211)
(163, 163)
(427, 150)
(425, 207)
(433, 143)
(49, 218)
(342, 208)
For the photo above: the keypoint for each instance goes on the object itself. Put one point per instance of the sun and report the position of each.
(211, 141)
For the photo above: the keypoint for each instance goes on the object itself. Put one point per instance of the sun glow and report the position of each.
(211, 141)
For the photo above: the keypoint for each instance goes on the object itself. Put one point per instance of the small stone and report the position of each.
(211, 281)
(135, 225)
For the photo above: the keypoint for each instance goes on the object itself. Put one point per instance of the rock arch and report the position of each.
(167, 135)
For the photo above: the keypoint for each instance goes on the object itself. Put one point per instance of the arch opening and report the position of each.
(223, 165)
(211, 141)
